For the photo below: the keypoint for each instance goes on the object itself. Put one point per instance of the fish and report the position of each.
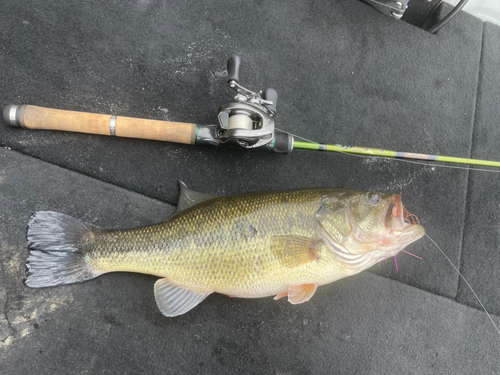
(259, 244)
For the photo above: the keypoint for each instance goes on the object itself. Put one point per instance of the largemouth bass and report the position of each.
(278, 243)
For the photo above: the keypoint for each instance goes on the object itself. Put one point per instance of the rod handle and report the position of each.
(33, 117)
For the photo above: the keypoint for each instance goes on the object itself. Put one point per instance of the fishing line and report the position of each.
(463, 278)
(402, 160)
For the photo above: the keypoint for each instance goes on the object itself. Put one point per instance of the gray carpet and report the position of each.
(366, 324)
(345, 74)
(480, 251)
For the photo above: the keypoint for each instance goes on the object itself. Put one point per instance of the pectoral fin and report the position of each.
(301, 293)
(294, 251)
(280, 295)
(173, 300)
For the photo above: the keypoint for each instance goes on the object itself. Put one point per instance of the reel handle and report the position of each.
(33, 117)
(233, 68)
(272, 95)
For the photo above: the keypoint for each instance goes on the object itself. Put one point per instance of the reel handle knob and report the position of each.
(272, 95)
(233, 68)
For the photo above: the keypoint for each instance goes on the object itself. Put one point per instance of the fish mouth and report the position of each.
(407, 235)
(398, 240)
(403, 232)
(394, 217)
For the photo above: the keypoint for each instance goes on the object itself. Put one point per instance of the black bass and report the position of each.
(277, 243)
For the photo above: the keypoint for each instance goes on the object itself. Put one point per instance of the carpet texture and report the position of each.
(344, 74)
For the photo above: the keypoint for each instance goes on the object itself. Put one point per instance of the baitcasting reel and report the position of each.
(248, 121)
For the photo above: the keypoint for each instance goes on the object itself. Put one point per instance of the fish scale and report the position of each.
(222, 245)
(253, 245)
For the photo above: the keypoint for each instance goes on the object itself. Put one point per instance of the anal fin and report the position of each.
(173, 300)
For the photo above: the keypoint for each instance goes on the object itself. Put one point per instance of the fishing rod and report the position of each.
(247, 122)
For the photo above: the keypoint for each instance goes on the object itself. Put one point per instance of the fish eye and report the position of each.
(373, 197)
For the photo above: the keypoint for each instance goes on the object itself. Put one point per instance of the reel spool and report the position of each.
(240, 120)
(248, 121)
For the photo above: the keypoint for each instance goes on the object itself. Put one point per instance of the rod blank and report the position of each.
(368, 151)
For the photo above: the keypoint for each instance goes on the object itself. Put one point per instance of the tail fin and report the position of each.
(55, 242)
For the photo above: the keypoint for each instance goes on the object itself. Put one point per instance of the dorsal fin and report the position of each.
(189, 198)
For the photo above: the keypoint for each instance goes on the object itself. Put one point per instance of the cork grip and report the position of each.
(33, 117)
